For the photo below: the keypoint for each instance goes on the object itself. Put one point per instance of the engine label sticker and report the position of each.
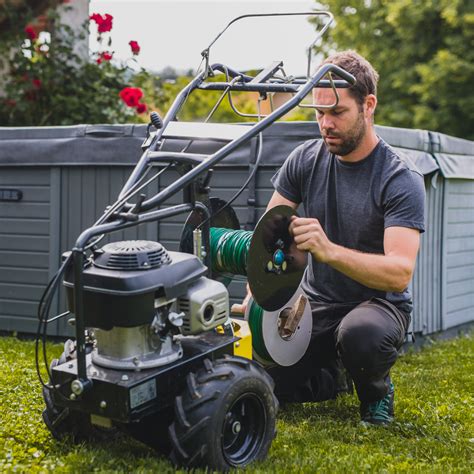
(142, 393)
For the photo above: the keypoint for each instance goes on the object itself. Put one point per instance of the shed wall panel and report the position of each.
(20, 242)
(460, 259)
(22, 324)
(459, 287)
(26, 210)
(460, 216)
(9, 290)
(426, 283)
(25, 259)
(24, 246)
(460, 273)
(461, 230)
(20, 307)
(26, 226)
(85, 193)
(19, 177)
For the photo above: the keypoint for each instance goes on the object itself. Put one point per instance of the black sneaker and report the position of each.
(381, 412)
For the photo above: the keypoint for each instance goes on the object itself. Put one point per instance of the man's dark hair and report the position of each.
(366, 76)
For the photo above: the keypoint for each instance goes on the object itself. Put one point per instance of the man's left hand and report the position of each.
(310, 236)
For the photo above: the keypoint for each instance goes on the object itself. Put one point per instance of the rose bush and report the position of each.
(47, 82)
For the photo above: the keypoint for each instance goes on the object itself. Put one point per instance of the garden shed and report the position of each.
(56, 181)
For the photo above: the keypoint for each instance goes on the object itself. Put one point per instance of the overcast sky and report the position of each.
(174, 32)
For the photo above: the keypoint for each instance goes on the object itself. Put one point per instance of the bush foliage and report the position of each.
(423, 52)
(49, 82)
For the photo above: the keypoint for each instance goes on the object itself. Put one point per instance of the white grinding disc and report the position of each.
(286, 352)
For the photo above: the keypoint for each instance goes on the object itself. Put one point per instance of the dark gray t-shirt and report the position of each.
(354, 202)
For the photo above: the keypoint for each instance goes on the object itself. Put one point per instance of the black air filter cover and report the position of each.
(131, 255)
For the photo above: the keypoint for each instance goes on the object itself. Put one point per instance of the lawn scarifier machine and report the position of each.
(156, 353)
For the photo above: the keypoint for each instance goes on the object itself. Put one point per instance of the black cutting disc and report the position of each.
(226, 219)
(273, 287)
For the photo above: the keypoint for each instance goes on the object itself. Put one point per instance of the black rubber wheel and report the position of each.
(226, 416)
(63, 422)
(152, 431)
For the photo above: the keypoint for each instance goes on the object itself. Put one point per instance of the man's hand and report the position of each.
(241, 308)
(310, 236)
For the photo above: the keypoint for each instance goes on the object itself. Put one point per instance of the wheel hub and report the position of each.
(236, 427)
(244, 425)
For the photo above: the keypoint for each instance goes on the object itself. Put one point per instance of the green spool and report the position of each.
(229, 250)
(255, 318)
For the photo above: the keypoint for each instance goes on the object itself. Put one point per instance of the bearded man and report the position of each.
(364, 207)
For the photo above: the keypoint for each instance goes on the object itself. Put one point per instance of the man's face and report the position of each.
(342, 127)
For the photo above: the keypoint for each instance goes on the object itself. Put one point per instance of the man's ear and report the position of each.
(370, 105)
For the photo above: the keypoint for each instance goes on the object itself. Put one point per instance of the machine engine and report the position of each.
(140, 299)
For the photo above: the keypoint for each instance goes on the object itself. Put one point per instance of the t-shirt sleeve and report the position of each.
(404, 203)
(287, 180)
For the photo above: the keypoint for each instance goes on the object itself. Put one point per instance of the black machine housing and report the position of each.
(123, 280)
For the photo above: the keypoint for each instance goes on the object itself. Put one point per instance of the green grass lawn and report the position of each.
(434, 431)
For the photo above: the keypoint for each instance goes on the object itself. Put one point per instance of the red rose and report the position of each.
(131, 96)
(104, 56)
(36, 83)
(135, 47)
(31, 32)
(96, 17)
(10, 102)
(141, 108)
(104, 23)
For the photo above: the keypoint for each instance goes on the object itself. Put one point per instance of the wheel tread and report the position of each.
(180, 413)
(192, 434)
(201, 401)
(198, 455)
(240, 361)
(214, 375)
(192, 386)
(176, 444)
(208, 365)
(202, 423)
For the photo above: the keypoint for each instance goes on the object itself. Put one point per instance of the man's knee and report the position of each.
(364, 339)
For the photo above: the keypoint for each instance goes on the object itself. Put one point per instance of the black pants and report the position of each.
(365, 338)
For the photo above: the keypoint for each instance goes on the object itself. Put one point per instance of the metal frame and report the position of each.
(124, 214)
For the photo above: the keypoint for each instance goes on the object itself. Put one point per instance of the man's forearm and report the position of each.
(380, 272)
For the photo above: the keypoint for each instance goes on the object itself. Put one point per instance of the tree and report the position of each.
(423, 52)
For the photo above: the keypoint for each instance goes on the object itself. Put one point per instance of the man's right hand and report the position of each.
(276, 200)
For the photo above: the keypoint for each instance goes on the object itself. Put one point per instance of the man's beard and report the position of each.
(350, 140)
